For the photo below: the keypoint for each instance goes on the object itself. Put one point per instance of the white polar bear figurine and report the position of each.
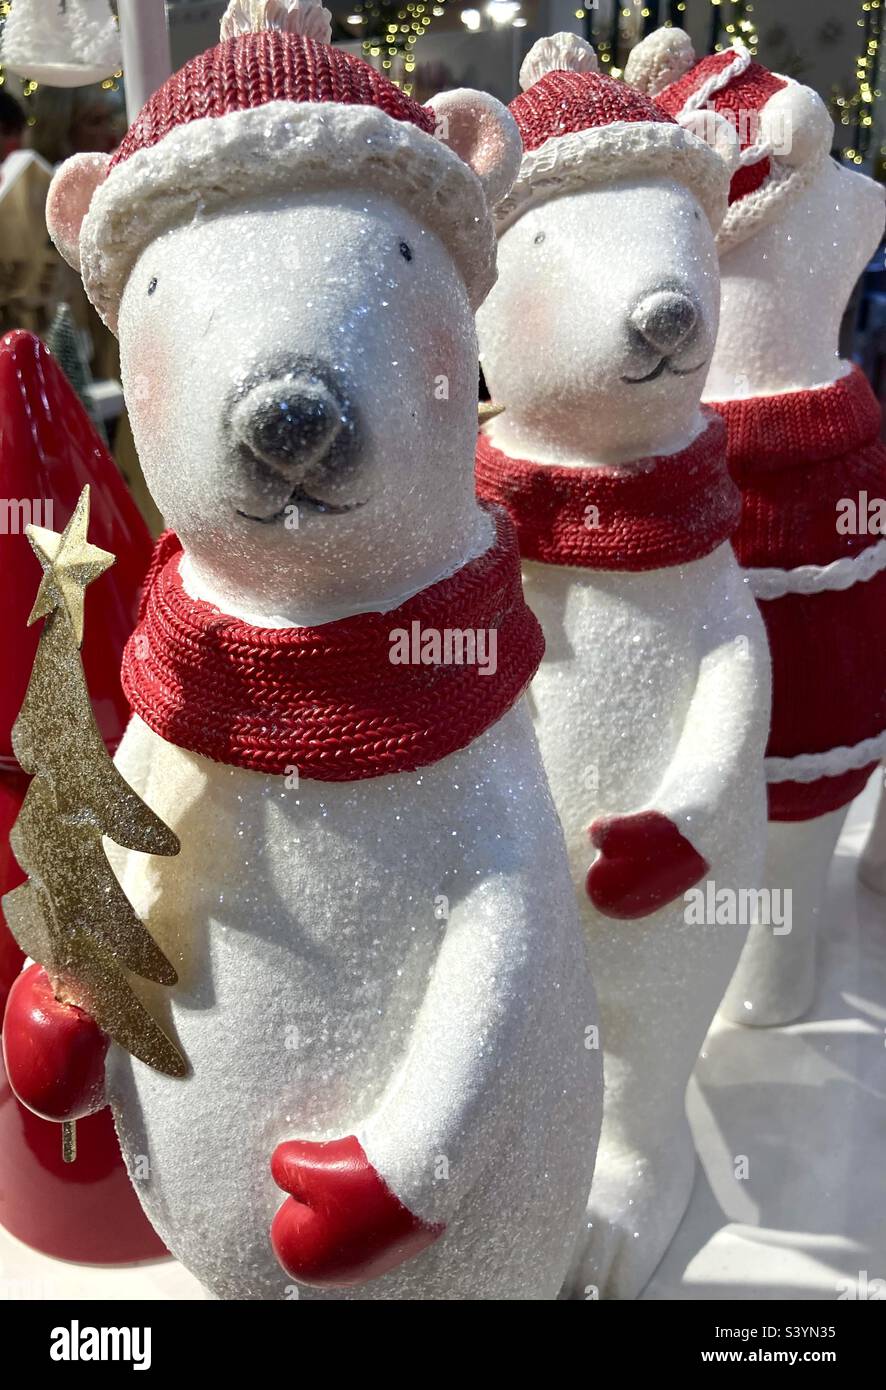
(804, 446)
(652, 702)
(383, 983)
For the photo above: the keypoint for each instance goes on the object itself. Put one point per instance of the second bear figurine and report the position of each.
(652, 703)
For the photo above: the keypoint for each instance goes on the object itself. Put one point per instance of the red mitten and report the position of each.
(54, 1053)
(644, 863)
(341, 1225)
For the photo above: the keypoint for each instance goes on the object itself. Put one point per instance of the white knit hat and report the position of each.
(274, 108)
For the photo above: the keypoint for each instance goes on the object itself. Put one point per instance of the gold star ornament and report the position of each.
(70, 564)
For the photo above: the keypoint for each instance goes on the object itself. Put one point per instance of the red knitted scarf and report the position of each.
(795, 457)
(658, 512)
(328, 700)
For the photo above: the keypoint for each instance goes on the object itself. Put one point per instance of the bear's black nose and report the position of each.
(296, 424)
(664, 320)
(289, 424)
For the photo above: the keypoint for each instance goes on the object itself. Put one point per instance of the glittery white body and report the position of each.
(653, 693)
(784, 295)
(399, 958)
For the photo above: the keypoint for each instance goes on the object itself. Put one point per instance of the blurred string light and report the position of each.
(390, 32)
(602, 40)
(613, 34)
(858, 110)
(620, 30)
(499, 12)
(742, 25)
(503, 11)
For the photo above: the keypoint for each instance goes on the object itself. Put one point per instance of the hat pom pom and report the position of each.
(796, 125)
(559, 53)
(306, 18)
(663, 57)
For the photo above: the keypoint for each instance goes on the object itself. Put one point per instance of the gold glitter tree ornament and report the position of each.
(72, 916)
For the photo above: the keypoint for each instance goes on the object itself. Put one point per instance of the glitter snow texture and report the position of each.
(785, 291)
(654, 691)
(397, 959)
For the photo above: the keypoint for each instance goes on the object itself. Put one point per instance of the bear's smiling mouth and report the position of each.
(300, 498)
(664, 366)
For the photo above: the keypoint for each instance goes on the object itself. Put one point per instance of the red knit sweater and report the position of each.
(796, 457)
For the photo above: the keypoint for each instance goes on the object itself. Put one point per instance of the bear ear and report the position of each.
(717, 132)
(482, 132)
(70, 195)
(796, 124)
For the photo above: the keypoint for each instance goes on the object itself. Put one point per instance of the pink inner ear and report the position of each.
(483, 133)
(70, 195)
(475, 136)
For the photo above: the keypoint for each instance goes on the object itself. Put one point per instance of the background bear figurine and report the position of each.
(804, 437)
(652, 702)
(383, 986)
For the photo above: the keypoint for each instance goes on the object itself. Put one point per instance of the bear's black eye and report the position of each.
(406, 250)
(152, 284)
(539, 238)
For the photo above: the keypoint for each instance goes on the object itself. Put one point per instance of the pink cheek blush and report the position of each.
(149, 385)
(534, 311)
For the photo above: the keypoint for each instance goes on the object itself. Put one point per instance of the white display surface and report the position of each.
(805, 1104)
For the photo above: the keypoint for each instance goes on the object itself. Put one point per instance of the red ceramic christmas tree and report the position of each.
(85, 1211)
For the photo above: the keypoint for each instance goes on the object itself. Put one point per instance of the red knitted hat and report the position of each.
(274, 108)
(784, 130)
(580, 127)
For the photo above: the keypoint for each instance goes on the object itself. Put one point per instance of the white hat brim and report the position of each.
(612, 153)
(280, 147)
